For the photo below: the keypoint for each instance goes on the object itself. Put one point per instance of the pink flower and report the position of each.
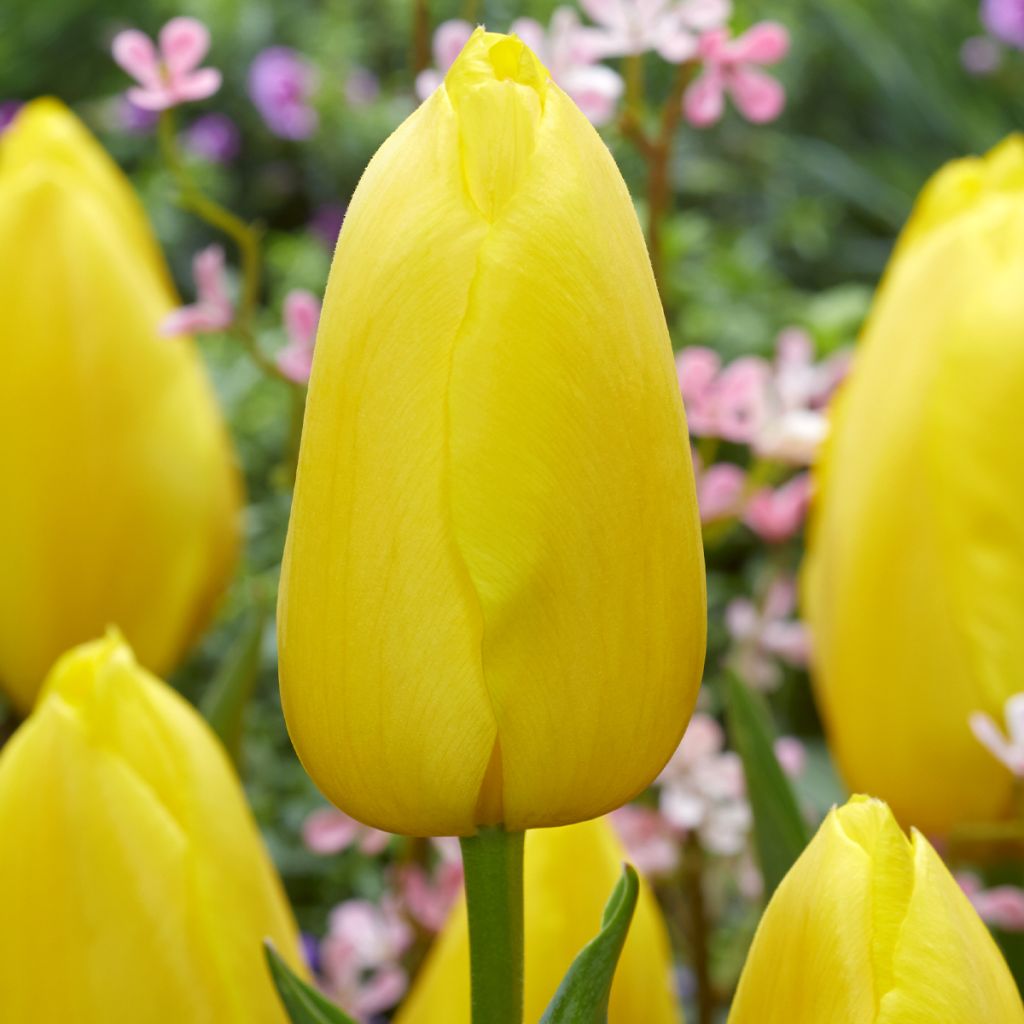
(595, 89)
(730, 66)
(740, 399)
(791, 755)
(668, 27)
(776, 514)
(697, 368)
(449, 39)
(649, 840)
(212, 311)
(720, 490)
(328, 831)
(167, 76)
(428, 897)
(765, 635)
(703, 789)
(1002, 907)
(360, 956)
(301, 316)
(1009, 747)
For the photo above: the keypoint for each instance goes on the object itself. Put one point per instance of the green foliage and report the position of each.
(582, 997)
(304, 1004)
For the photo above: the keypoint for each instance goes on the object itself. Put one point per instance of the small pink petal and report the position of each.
(184, 42)
(704, 15)
(767, 42)
(741, 399)
(677, 46)
(198, 85)
(156, 98)
(208, 274)
(301, 314)
(704, 99)
(1001, 907)
(791, 755)
(328, 831)
(758, 97)
(198, 319)
(742, 619)
(427, 82)
(135, 53)
(720, 491)
(596, 90)
(295, 361)
(714, 47)
(776, 515)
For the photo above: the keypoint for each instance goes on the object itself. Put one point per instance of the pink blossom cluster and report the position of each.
(700, 792)
(678, 31)
(765, 634)
(1001, 907)
(360, 959)
(778, 410)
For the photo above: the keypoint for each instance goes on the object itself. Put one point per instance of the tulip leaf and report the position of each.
(304, 1004)
(224, 703)
(780, 831)
(582, 998)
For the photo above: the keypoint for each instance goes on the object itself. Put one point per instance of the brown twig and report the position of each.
(693, 881)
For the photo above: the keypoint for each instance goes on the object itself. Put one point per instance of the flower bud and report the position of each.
(869, 927)
(492, 605)
(124, 497)
(914, 581)
(570, 873)
(133, 879)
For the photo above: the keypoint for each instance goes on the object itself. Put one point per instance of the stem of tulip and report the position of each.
(493, 864)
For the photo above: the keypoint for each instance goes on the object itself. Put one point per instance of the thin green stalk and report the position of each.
(493, 864)
(247, 237)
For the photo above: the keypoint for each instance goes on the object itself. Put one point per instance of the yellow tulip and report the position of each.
(914, 583)
(570, 873)
(133, 881)
(124, 497)
(870, 928)
(492, 605)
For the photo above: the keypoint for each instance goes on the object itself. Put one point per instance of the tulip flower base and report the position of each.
(493, 864)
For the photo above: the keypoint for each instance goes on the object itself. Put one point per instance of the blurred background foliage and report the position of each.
(789, 223)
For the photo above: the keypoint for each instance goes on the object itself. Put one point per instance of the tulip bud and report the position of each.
(569, 873)
(870, 928)
(914, 582)
(492, 605)
(133, 881)
(124, 497)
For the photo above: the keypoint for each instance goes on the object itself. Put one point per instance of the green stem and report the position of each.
(699, 927)
(247, 237)
(493, 863)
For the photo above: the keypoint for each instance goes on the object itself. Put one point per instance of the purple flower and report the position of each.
(1005, 20)
(214, 137)
(326, 223)
(280, 85)
(8, 111)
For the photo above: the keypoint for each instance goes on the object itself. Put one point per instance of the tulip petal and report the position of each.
(379, 625)
(132, 444)
(914, 583)
(555, 515)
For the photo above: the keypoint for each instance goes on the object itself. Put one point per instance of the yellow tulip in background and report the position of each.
(914, 583)
(492, 605)
(869, 927)
(133, 881)
(127, 494)
(569, 873)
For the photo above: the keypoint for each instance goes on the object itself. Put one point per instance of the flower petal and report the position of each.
(184, 42)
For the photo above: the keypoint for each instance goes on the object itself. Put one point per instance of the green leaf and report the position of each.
(780, 831)
(582, 998)
(224, 703)
(304, 1004)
